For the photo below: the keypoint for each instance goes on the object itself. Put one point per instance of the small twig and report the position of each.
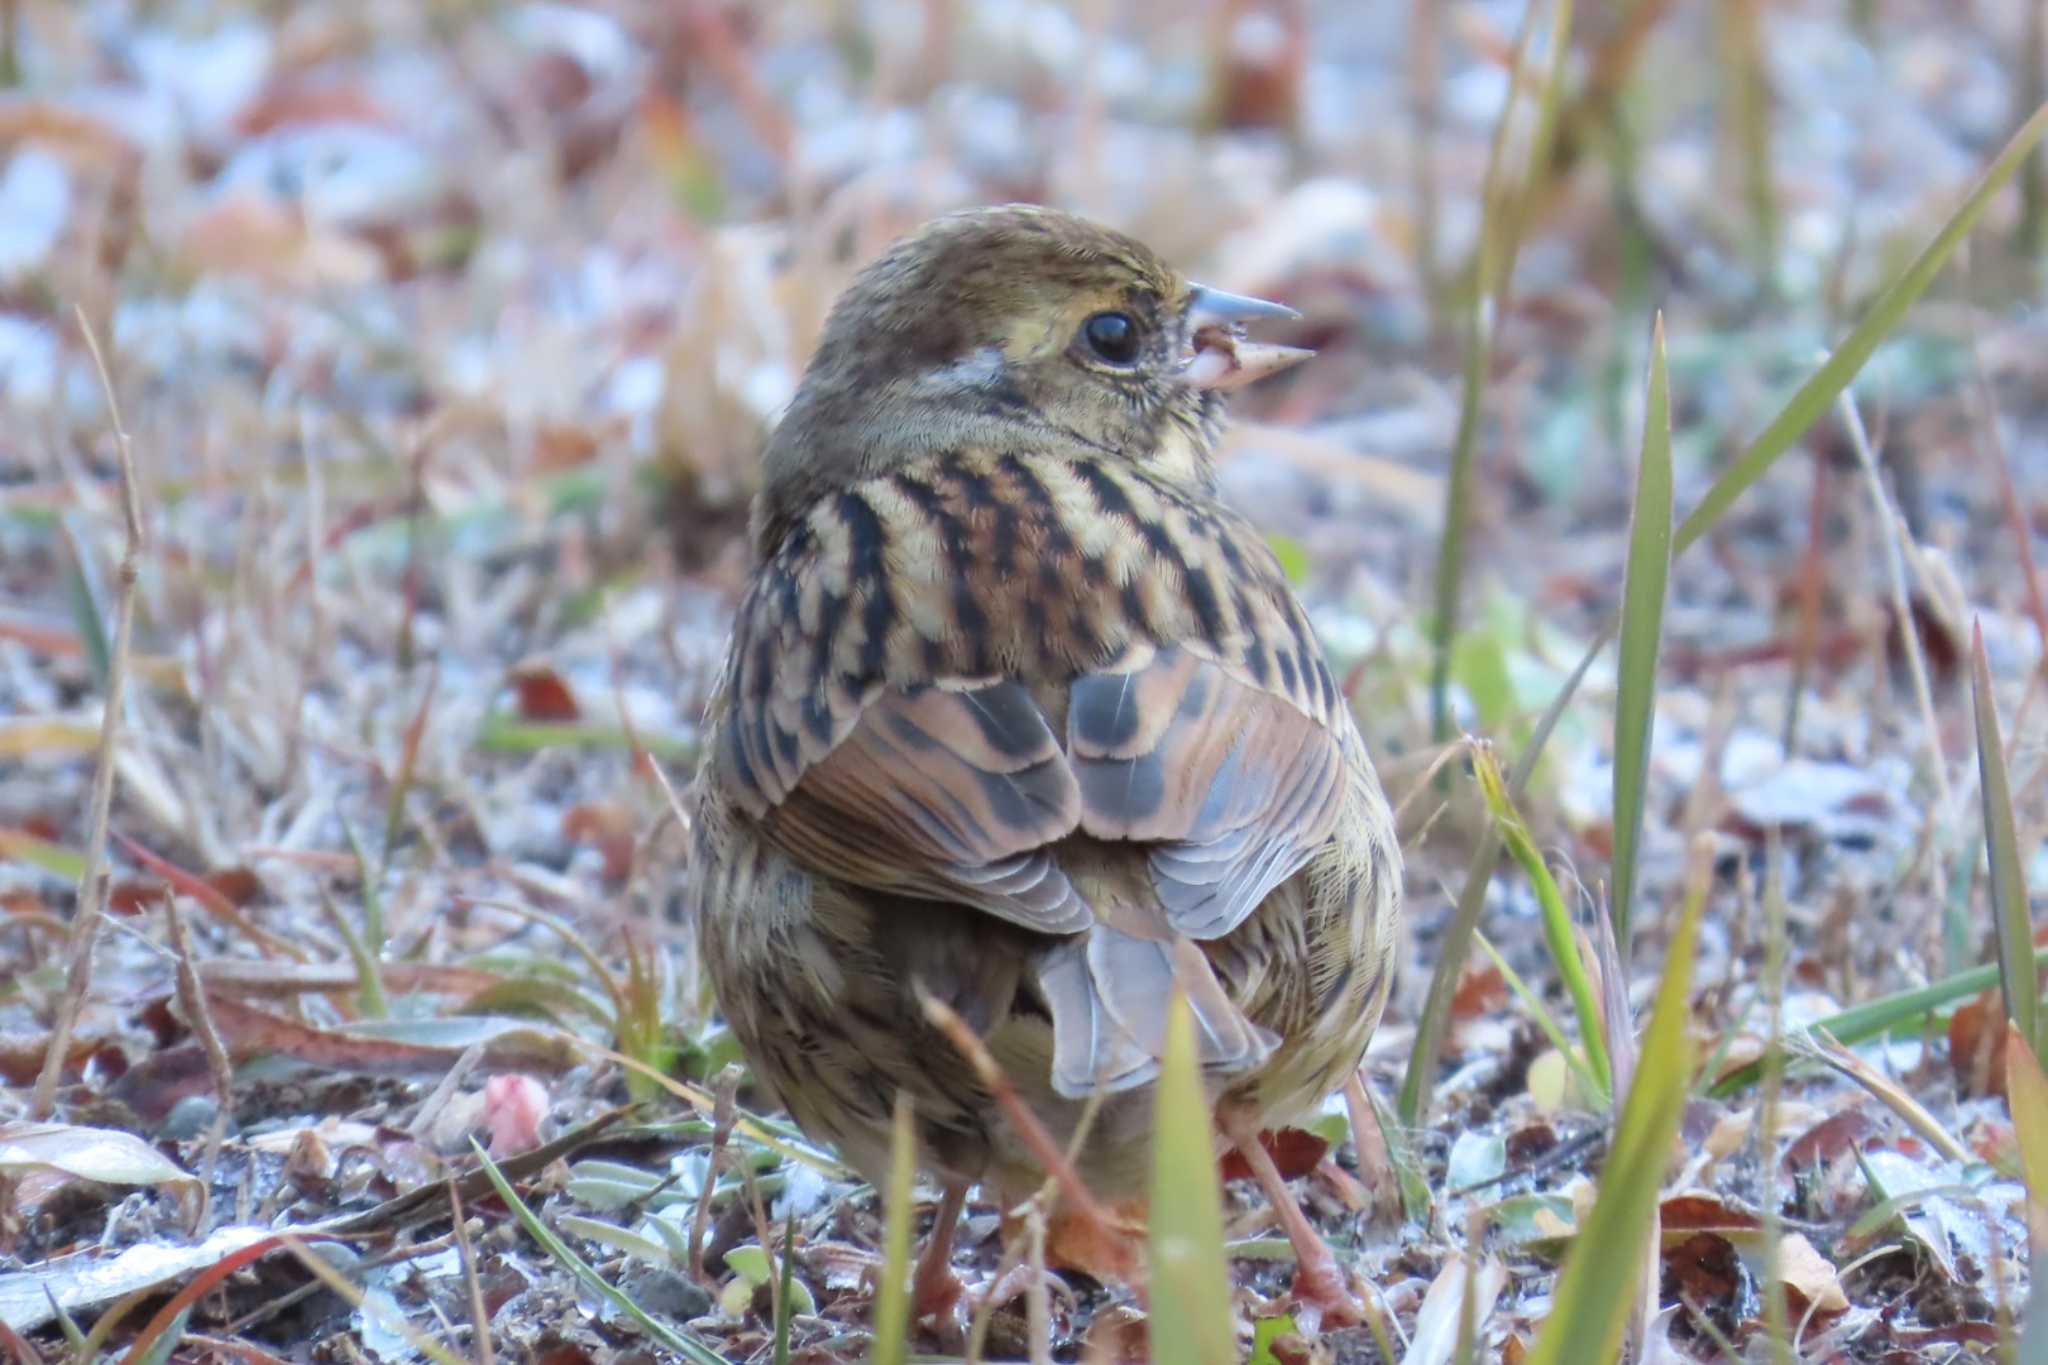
(480, 1320)
(723, 1114)
(192, 998)
(764, 1233)
(1895, 569)
(92, 890)
(1037, 1301)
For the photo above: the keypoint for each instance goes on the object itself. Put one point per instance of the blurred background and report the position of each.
(441, 324)
(447, 333)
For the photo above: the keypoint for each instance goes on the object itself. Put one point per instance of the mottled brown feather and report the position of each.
(1019, 715)
(868, 737)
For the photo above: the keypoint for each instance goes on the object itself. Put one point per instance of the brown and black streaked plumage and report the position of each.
(1019, 714)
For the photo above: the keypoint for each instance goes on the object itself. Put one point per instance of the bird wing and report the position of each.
(906, 711)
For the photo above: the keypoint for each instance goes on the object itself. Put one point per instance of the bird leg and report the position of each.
(1320, 1284)
(939, 1294)
(934, 1288)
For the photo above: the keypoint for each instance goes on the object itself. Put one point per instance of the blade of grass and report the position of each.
(892, 1301)
(17, 845)
(1419, 1081)
(1574, 1057)
(1806, 406)
(1811, 400)
(1642, 628)
(1189, 1278)
(2017, 978)
(1590, 1305)
(504, 734)
(1863, 1022)
(373, 902)
(1799, 413)
(408, 763)
(1557, 919)
(2027, 1094)
(784, 1299)
(2027, 1097)
(369, 982)
(1748, 88)
(1895, 574)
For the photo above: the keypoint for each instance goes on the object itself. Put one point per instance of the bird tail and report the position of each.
(1108, 991)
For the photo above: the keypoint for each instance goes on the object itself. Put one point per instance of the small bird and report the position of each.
(1019, 717)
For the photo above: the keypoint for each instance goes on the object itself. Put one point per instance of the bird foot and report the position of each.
(1324, 1298)
(945, 1304)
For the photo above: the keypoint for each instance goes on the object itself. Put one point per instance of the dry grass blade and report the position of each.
(192, 998)
(1642, 628)
(1190, 1281)
(1820, 1046)
(1591, 1303)
(2018, 978)
(1895, 574)
(92, 890)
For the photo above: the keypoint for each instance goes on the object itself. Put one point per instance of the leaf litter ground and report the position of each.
(447, 339)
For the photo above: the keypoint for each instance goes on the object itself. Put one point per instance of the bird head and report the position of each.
(1019, 326)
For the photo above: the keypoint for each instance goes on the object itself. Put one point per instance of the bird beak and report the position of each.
(1222, 358)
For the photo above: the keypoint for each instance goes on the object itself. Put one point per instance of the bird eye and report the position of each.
(1113, 336)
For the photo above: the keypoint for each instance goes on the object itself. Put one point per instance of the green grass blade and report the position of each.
(892, 1302)
(1642, 627)
(785, 1299)
(1573, 1057)
(2017, 977)
(1865, 1021)
(1590, 1306)
(1190, 1291)
(1816, 394)
(2027, 1093)
(1557, 918)
(1419, 1081)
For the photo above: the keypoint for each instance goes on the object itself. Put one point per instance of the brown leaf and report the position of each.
(1705, 1213)
(608, 827)
(1830, 1138)
(543, 695)
(1480, 991)
(133, 895)
(1294, 1150)
(1706, 1267)
(1975, 1032)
